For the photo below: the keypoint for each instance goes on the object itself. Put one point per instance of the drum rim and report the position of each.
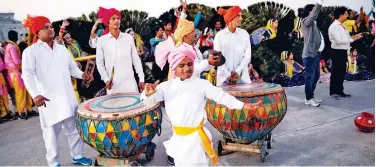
(112, 115)
(277, 89)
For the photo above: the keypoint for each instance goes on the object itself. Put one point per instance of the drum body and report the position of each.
(118, 125)
(245, 126)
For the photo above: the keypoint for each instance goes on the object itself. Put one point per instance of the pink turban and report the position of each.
(162, 50)
(179, 54)
(105, 15)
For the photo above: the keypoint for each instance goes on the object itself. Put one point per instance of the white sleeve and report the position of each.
(100, 63)
(93, 42)
(28, 72)
(335, 32)
(158, 96)
(221, 97)
(73, 68)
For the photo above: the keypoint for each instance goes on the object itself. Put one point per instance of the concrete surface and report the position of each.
(306, 136)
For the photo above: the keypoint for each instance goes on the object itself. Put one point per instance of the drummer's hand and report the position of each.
(141, 85)
(251, 106)
(150, 88)
(86, 76)
(213, 60)
(234, 75)
(109, 85)
(40, 100)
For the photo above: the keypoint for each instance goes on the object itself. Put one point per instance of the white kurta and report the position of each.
(185, 102)
(200, 64)
(236, 48)
(93, 42)
(121, 54)
(48, 72)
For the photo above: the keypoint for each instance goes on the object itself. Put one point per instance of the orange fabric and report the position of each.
(35, 24)
(230, 14)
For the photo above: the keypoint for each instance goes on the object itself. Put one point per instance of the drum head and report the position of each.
(252, 89)
(115, 106)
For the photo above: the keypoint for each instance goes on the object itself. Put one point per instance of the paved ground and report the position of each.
(306, 136)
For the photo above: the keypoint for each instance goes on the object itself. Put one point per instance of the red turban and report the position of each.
(35, 24)
(105, 15)
(229, 14)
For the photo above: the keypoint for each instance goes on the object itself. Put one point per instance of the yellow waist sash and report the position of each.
(184, 131)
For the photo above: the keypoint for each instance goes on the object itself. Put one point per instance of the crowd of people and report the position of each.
(42, 70)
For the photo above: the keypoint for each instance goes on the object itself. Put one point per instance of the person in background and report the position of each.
(12, 60)
(313, 46)
(235, 45)
(341, 40)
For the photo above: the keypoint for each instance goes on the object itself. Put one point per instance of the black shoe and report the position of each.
(32, 113)
(345, 95)
(23, 115)
(170, 160)
(9, 117)
(1, 120)
(335, 96)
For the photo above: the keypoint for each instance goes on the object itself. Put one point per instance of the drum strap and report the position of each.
(208, 147)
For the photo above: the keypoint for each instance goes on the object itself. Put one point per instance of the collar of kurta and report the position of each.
(44, 43)
(177, 79)
(226, 30)
(109, 35)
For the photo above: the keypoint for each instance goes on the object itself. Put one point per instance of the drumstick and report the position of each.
(112, 74)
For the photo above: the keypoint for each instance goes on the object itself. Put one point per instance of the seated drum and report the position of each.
(248, 126)
(119, 126)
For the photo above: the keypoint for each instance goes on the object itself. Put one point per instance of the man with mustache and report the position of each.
(47, 68)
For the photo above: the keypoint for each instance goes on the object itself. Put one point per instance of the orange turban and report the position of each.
(105, 15)
(229, 14)
(35, 24)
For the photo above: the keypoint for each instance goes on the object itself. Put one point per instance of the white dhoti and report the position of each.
(50, 136)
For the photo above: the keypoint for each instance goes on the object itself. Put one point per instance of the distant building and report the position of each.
(7, 22)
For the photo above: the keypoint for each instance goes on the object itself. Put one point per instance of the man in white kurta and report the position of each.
(235, 46)
(117, 50)
(47, 68)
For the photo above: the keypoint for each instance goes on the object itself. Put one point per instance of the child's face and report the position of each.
(185, 69)
(291, 57)
(355, 53)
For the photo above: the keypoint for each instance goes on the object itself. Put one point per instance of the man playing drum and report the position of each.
(47, 68)
(235, 46)
(116, 54)
(185, 98)
(184, 36)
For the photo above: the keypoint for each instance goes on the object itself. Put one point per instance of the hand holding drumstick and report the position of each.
(150, 88)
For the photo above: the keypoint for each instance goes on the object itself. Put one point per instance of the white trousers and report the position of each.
(51, 134)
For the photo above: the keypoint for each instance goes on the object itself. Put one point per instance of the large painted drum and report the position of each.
(120, 125)
(243, 126)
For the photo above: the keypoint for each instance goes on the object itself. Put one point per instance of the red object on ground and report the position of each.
(365, 122)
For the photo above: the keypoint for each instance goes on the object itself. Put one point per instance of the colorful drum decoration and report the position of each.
(120, 125)
(243, 126)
